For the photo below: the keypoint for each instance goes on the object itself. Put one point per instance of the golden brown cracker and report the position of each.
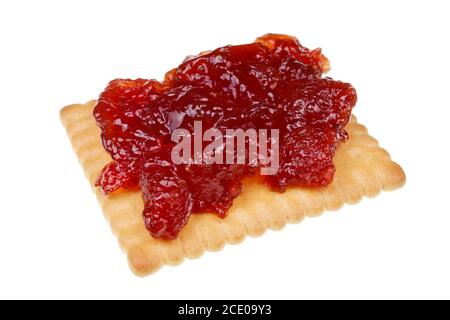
(362, 169)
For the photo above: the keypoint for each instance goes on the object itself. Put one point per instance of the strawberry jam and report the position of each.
(273, 83)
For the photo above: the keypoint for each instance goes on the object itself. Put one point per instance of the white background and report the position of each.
(54, 241)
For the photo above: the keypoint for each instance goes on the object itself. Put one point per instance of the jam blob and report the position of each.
(272, 83)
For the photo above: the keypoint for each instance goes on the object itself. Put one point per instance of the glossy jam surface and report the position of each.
(273, 83)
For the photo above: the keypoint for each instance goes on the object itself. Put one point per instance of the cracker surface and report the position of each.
(362, 169)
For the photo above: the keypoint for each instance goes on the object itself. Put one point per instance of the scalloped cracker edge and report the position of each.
(362, 169)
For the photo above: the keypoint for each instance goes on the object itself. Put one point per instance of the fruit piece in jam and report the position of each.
(273, 83)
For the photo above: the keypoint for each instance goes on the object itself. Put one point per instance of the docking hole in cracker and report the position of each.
(231, 143)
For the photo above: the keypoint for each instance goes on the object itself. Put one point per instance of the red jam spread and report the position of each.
(273, 83)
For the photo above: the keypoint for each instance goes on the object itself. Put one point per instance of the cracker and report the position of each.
(362, 169)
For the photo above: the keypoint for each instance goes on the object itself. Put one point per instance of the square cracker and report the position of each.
(362, 169)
